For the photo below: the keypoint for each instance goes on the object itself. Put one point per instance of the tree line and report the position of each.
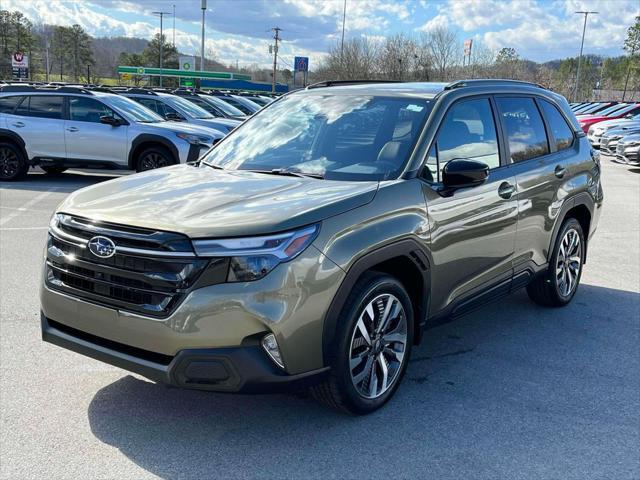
(435, 56)
(438, 56)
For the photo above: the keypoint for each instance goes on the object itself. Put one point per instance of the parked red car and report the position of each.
(612, 112)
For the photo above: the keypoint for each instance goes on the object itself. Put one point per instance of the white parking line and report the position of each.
(26, 206)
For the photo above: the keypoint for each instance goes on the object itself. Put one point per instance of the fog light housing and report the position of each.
(270, 346)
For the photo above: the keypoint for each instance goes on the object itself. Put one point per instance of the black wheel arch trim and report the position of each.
(579, 199)
(407, 248)
(150, 138)
(15, 138)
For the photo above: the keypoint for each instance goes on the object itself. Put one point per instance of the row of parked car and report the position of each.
(58, 126)
(613, 127)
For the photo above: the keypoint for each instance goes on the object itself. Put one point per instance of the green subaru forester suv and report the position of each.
(312, 246)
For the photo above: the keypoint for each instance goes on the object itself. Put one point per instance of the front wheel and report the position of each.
(154, 157)
(560, 282)
(374, 338)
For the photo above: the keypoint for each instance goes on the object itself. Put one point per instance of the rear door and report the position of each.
(88, 139)
(473, 229)
(39, 120)
(540, 156)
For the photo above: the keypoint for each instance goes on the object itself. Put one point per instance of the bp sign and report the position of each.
(187, 63)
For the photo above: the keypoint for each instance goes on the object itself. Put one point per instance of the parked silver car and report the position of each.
(597, 130)
(63, 127)
(177, 108)
(628, 149)
(610, 139)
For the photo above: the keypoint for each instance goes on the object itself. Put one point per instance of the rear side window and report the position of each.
(42, 106)
(88, 110)
(524, 128)
(562, 133)
(8, 104)
(468, 131)
(205, 105)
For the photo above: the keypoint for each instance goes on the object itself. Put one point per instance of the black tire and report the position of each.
(154, 157)
(51, 170)
(547, 289)
(13, 164)
(339, 390)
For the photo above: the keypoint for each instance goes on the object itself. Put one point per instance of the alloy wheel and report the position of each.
(9, 163)
(153, 160)
(568, 263)
(378, 345)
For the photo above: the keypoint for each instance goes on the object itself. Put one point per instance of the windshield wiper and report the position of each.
(289, 173)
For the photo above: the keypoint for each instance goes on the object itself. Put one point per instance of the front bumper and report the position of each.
(242, 369)
(627, 153)
(594, 139)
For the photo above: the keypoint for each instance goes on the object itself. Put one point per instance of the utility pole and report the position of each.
(626, 82)
(584, 28)
(46, 54)
(161, 15)
(277, 31)
(344, 16)
(88, 74)
(204, 9)
(174, 26)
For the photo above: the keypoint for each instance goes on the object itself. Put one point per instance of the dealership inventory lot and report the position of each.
(510, 391)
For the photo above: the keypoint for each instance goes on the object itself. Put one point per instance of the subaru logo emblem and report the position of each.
(102, 247)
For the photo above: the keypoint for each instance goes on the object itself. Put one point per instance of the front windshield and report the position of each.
(341, 137)
(191, 109)
(225, 107)
(134, 110)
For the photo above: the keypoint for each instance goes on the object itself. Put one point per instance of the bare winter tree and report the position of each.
(398, 57)
(444, 49)
(358, 60)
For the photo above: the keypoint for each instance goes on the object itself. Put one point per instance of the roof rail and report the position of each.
(336, 83)
(489, 82)
(44, 88)
(139, 90)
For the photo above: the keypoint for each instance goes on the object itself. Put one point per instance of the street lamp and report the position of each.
(584, 28)
(161, 14)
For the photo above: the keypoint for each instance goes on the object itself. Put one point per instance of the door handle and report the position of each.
(72, 129)
(506, 190)
(18, 124)
(559, 171)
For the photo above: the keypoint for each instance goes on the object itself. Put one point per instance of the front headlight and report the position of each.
(252, 258)
(195, 139)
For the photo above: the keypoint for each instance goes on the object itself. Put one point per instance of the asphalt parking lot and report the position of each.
(511, 391)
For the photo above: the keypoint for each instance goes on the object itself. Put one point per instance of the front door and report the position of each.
(472, 229)
(88, 139)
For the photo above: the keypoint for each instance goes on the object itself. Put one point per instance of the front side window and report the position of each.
(340, 137)
(524, 128)
(562, 133)
(205, 106)
(187, 107)
(41, 106)
(88, 110)
(467, 132)
(133, 110)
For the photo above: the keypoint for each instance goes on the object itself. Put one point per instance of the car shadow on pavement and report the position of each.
(499, 391)
(67, 181)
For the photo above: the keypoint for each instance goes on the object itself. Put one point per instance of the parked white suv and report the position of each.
(64, 127)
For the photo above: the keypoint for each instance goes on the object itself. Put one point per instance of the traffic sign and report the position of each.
(301, 64)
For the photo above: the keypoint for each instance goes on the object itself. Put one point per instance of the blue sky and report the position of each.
(238, 30)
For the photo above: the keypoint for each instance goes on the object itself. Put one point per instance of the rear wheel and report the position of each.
(51, 170)
(154, 157)
(560, 282)
(13, 164)
(374, 338)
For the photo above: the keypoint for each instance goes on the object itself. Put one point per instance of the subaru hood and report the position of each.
(204, 202)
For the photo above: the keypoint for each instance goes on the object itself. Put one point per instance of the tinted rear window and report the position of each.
(524, 127)
(8, 104)
(562, 133)
(42, 106)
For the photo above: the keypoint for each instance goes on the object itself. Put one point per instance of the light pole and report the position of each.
(344, 17)
(204, 9)
(584, 28)
(161, 15)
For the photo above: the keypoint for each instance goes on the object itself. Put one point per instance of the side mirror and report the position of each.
(463, 172)
(173, 117)
(109, 120)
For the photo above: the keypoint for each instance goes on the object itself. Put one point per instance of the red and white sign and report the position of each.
(467, 47)
(19, 60)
